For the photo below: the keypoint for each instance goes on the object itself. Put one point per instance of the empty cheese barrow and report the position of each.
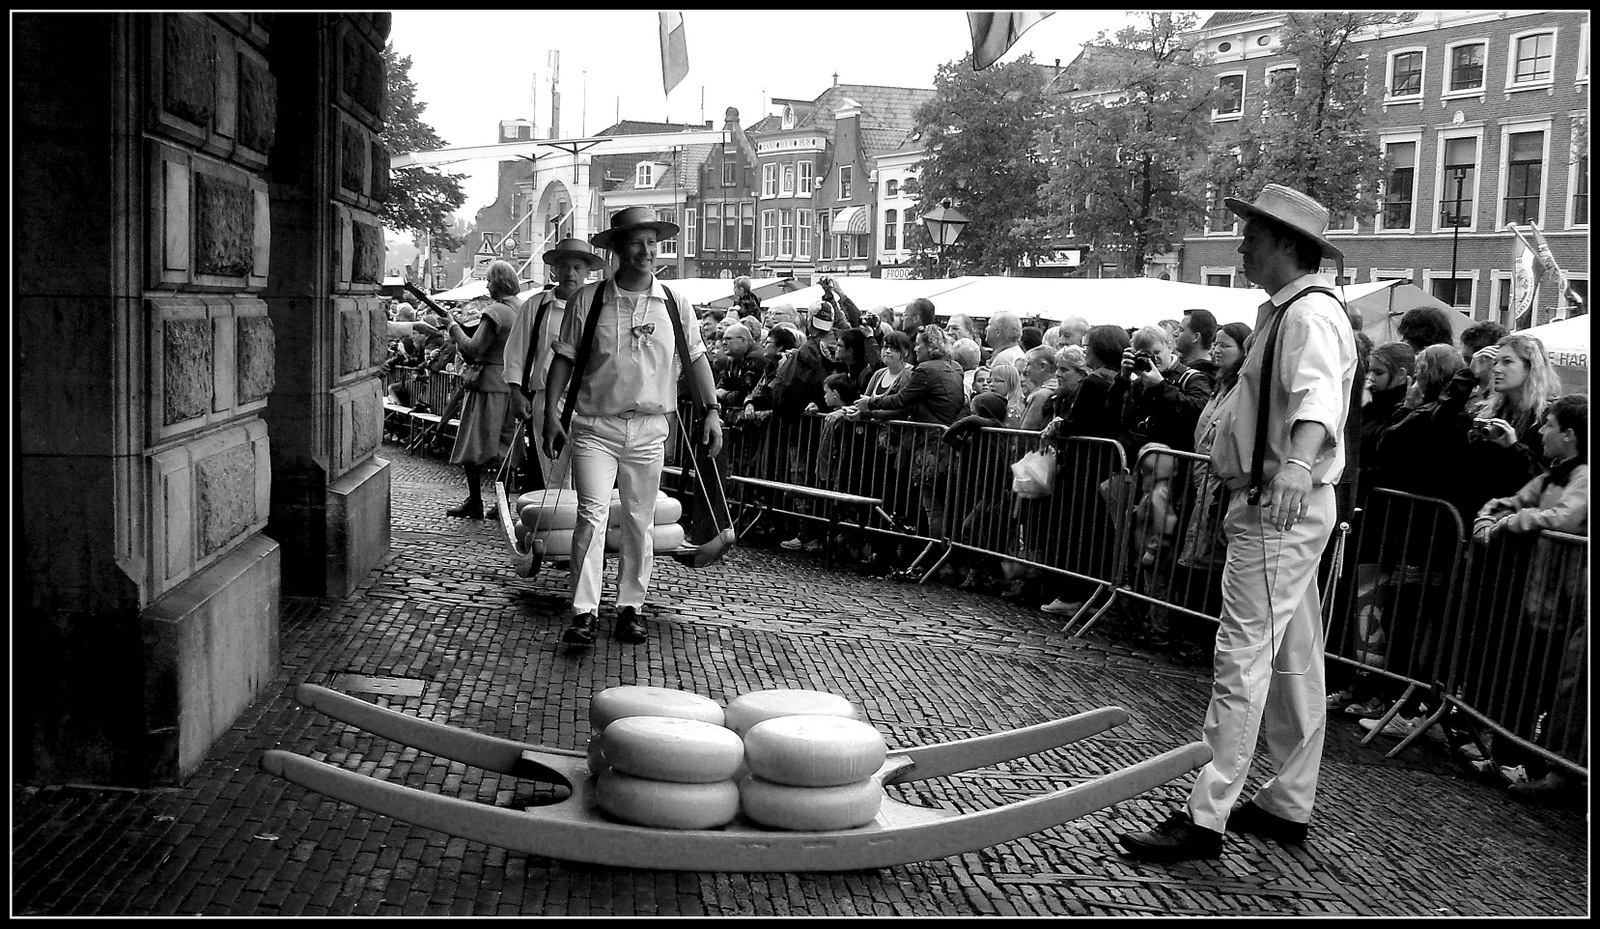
(575, 829)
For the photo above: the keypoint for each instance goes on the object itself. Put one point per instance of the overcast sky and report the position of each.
(475, 68)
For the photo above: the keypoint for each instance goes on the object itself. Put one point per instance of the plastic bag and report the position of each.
(1033, 475)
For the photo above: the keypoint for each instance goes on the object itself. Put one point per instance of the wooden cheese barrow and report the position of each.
(575, 829)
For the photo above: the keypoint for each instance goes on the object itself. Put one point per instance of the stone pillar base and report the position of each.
(357, 526)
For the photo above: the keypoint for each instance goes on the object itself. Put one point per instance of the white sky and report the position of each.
(474, 68)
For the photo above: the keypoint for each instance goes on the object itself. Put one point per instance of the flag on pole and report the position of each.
(1548, 262)
(674, 51)
(1526, 272)
(994, 33)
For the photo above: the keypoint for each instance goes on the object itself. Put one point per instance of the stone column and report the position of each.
(329, 173)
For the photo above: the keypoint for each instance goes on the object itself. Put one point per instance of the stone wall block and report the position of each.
(367, 267)
(186, 369)
(172, 517)
(209, 223)
(357, 423)
(183, 79)
(213, 360)
(258, 108)
(225, 496)
(225, 227)
(256, 356)
(262, 238)
(379, 186)
(224, 367)
(170, 230)
(352, 323)
(225, 122)
(377, 333)
(363, 81)
(353, 153)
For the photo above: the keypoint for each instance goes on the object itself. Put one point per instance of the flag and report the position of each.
(994, 33)
(1526, 272)
(674, 51)
(1548, 262)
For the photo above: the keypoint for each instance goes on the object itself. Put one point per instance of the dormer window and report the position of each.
(788, 117)
(645, 175)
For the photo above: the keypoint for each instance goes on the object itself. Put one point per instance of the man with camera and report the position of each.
(1161, 396)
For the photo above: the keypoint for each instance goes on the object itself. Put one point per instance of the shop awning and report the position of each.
(852, 220)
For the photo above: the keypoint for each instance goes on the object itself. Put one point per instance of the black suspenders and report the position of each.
(1269, 376)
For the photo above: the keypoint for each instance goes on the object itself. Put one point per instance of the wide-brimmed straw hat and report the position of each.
(634, 217)
(575, 248)
(1293, 209)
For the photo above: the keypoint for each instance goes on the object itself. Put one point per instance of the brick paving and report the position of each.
(1412, 836)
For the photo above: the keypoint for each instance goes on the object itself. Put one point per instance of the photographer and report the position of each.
(1161, 396)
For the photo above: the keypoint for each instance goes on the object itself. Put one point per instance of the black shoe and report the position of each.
(472, 509)
(1177, 839)
(1247, 817)
(581, 632)
(630, 627)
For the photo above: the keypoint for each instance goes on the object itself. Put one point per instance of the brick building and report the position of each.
(724, 244)
(1488, 103)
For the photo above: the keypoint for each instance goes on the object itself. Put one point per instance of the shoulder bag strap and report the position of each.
(1269, 375)
(545, 299)
(584, 349)
(677, 331)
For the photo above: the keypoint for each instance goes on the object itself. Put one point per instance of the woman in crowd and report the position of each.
(852, 359)
(896, 352)
(1006, 380)
(779, 344)
(1203, 539)
(491, 410)
(1504, 436)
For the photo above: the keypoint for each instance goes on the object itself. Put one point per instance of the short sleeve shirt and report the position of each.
(633, 365)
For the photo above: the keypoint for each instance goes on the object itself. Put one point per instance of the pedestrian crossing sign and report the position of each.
(487, 248)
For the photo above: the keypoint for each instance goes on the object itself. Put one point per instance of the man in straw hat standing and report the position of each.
(529, 350)
(1280, 447)
(628, 391)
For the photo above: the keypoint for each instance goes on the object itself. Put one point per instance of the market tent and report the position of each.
(762, 287)
(1130, 302)
(1566, 344)
(870, 292)
(1382, 303)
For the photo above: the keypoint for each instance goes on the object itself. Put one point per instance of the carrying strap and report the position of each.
(1269, 375)
(591, 324)
(545, 299)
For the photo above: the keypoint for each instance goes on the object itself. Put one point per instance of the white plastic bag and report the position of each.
(1033, 474)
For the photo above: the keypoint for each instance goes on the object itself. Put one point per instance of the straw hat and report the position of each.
(1293, 209)
(575, 248)
(634, 217)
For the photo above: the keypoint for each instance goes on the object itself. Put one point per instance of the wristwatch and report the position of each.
(714, 408)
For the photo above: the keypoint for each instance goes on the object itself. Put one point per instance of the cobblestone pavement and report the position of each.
(1411, 836)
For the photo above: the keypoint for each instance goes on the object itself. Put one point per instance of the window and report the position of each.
(844, 244)
(1578, 213)
(1230, 97)
(730, 172)
(1380, 274)
(730, 228)
(691, 233)
(1219, 219)
(1501, 283)
(802, 227)
(1465, 65)
(747, 227)
(1583, 54)
(1458, 183)
(769, 180)
(891, 229)
(788, 180)
(713, 233)
(1459, 291)
(891, 188)
(806, 178)
(644, 175)
(1405, 74)
(824, 234)
(769, 233)
(1399, 187)
(846, 173)
(1280, 82)
(1217, 277)
(667, 248)
(1532, 60)
(1524, 177)
(786, 233)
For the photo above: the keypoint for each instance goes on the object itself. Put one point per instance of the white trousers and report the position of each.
(625, 453)
(557, 472)
(1269, 677)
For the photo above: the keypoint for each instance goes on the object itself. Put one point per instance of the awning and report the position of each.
(852, 220)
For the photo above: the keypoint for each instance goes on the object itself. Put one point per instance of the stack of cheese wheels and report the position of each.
(812, 773)
(663, 758)
(748, 709)
(550, 515)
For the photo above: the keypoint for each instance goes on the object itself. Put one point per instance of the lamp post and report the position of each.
(1455, 238)
(944, 226)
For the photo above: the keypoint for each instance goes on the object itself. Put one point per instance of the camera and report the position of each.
(1144, 361)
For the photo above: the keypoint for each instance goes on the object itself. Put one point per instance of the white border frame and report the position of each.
(1462, 274)
(1511, 59)
(767, 250)
(1384, 141)
(1572, 177)
(1389, 97)
(1244, 85)
(806, 224)
(1542, 124)
(1445, 93)
(1444, 136)
(1232, 271)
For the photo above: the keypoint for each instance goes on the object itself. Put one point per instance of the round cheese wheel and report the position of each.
(595, 755)
(664, 748)
(809, 809)
(558, 509)
(667, 805)
(813, 751)
(748, 709)
(558, 542)
(614, 703)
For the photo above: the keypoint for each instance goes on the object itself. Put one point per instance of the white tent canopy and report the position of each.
(702, 290)
(1129, 302)
(1382, 304)
(870, 292)
(1566, 341)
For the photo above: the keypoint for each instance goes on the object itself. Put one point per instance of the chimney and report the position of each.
(709, 123)
(836, 79)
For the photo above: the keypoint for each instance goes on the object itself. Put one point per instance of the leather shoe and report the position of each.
(471, 509)
(630, 627)
(1247, 817)
(1176, 839)
(581, 632)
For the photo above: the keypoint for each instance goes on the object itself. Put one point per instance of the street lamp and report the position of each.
(1455, 238)
(944, 226)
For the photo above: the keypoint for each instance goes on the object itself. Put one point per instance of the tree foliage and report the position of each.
(977, 130)
(421, 199)
(1123, 141)
(1314, 134)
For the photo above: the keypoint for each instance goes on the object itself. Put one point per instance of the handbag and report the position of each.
(1034, 474)
(470, 376)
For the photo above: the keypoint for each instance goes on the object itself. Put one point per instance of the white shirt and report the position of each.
(633, 365)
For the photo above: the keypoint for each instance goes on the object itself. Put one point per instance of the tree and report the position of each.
(1313, 133)
(421, 199)
(977, 131)
(1123, 141)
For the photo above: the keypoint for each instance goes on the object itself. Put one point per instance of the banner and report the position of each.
(1548, 262)
(674, 51)
(994, 33)
(1526, 272)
